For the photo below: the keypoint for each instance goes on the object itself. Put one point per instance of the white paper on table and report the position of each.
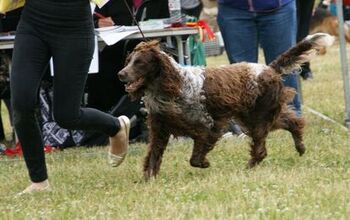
(7, 37)
(111, 38)
(100, 3)
(94, 62)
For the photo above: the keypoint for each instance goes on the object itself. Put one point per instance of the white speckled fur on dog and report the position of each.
(191, 101)
(192, 94)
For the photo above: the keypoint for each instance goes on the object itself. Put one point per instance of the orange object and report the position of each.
(203, 26)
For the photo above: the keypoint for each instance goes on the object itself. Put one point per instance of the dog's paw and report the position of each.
(149, 174)
(200, 164)
(301, 150)
(252, 163)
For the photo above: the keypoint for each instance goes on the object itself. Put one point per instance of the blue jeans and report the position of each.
(275, 32)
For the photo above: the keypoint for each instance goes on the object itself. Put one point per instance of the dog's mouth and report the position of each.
(134, 85)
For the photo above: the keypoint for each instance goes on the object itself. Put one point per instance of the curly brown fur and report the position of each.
(198, 102)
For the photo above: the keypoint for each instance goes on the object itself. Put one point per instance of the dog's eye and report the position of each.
(137, 61)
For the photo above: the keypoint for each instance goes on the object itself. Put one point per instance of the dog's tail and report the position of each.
(303, 52)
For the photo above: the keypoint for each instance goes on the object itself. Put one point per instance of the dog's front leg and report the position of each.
(202, 146)
(159, 139)
(200, 150)
(258, 150)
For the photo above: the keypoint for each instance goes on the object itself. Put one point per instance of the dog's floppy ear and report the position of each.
(170, 79)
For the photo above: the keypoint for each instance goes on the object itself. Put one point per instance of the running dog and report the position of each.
(198, 102)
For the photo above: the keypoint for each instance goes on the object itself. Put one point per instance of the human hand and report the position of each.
(105, 22)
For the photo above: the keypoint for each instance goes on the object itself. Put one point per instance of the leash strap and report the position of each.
(134, 19)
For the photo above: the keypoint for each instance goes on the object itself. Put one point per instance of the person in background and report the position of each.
(104, 88)
(105, 91)
(191, 7)
(64, 31)
(330, 5)
(209, 14)
(246, 25)
(8, 23)
(304, 14)
(5, 92)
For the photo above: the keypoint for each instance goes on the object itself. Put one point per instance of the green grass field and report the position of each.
(284, 186)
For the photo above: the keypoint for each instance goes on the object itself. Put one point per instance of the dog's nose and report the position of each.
(122, 75)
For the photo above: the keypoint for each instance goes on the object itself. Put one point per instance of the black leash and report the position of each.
(134, 19)
(166, 49)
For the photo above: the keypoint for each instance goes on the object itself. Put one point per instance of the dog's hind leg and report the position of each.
(295, 125)
(258, 150)
(159, 139)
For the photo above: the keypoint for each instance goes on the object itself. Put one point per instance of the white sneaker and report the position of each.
(119, 141)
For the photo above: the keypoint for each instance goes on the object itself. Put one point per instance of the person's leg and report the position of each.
(195, 12)
(304, 13)
(277, 33)
(239, 32)
(30, 57)
(3, 70)
(71, 59)
(306, 71)
(104, 88)
(7, 102)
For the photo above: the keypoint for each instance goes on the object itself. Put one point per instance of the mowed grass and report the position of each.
(283, 186)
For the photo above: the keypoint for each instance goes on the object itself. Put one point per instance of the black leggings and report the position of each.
(195, 12)
(304, 14)
(72, 53)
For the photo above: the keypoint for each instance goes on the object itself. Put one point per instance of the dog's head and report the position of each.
(148, 66)
(142, 67)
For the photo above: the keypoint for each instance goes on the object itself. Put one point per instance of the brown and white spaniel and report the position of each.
(198, 102)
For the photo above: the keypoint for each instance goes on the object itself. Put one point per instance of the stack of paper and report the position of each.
(113, 34)
(153, 24)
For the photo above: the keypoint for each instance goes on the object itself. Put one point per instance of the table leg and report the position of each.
(180, 50)
(188, 52)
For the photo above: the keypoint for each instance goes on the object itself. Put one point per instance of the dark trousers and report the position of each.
(304, 13)
(195, 12)
(104, 88)
(71, 59)
(8, 23)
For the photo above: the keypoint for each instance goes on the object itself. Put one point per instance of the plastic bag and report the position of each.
(197, 51)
